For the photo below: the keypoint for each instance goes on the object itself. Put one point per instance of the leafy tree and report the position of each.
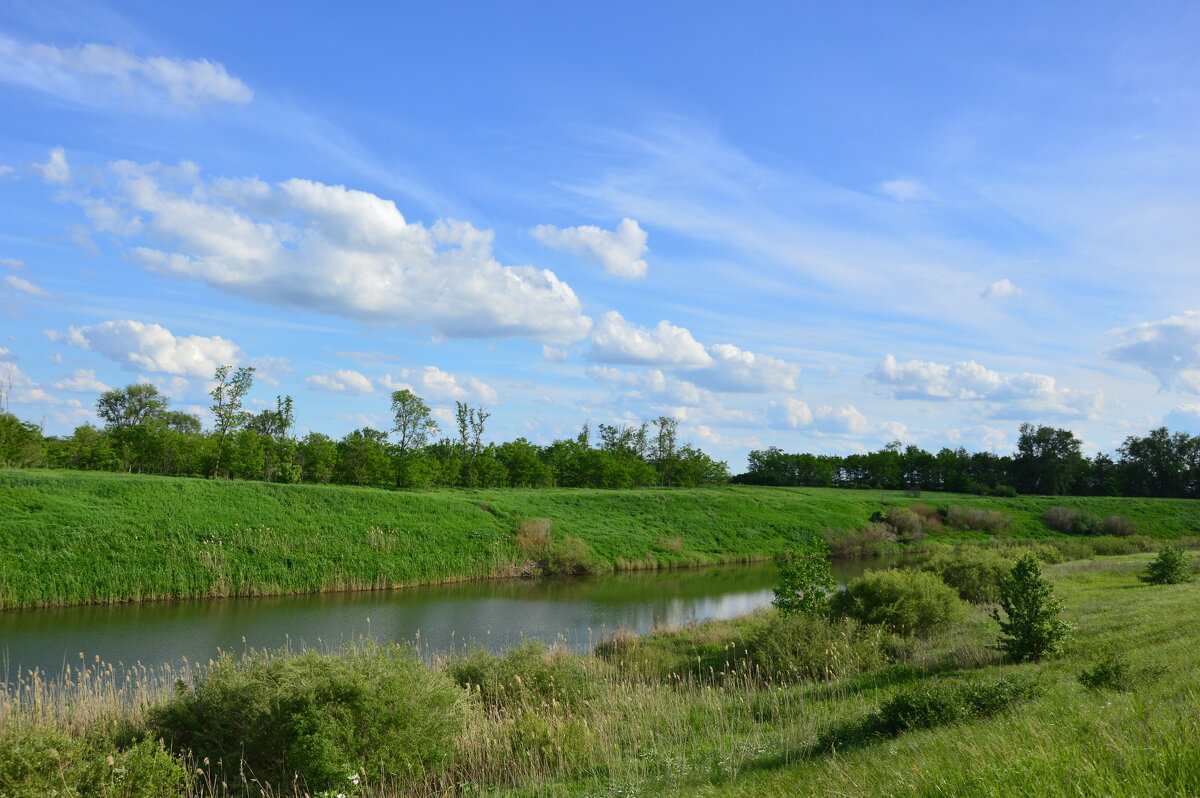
(123, 408)
(413, 423)
(1031, 628)
(1048, 460)
(227, 404)
(1170, 567)
(21, 443)
(805, 578)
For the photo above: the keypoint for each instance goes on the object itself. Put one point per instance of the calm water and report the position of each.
(578, 612)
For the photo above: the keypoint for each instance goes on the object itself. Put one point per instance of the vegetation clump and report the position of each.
(530, 675)
(905, 602)
(1170, 567)
(306, 716)
(804, 578)
(976, 518)
(1111, 673)
(810, 646)
(1030, 628)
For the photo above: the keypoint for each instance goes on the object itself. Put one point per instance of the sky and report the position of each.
(823, 227)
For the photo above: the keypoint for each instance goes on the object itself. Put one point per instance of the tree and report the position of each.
(1048, 459)
(1031, 628)
(227, 404)
(1170, 567)
(413, 424)
(805, 578)
(123, 408)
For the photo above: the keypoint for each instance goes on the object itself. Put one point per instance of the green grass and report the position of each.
(71, 537)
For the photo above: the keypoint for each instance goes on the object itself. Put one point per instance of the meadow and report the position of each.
(690, 711)
(72, 537)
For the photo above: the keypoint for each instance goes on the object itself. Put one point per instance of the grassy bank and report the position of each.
(71, 537)
(644, 721)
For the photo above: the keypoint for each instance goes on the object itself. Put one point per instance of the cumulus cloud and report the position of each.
(97, 74)
(330, 249)
(736, 370)
(341, 381)
(1168, 348)
(1011, 395)
(555, 354)
(615, 340)
(653, 385)
(1000, 289)
(55, 169)
(791, 413)
(81, 381)
(269, 369)
(826, 420)
(24, 286)
(433, 383)
(619, 252)
(152, 347)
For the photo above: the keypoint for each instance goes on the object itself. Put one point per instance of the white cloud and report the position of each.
(615, 340)
(978, 438)
(152, 347)
(12, 263)
(902, 190)
(1169, 349)
(844, 420)
(97, 74)
(269, 369)
(55, 169)
(332, 250)
(555, 354)
(177, 388)
(6, 171)
(1184, 418)
(341, 381)
(619, 252)
(1001, 289)
(1011, 395)
(652, 384)
(791, 413)
(433, 383)
(24, 286)
(81, 381)
(739, 371)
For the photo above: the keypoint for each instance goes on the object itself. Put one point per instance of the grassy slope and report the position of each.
(1069, 741)
(72, 537)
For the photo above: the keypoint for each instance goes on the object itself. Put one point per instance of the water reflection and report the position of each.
(577, 612)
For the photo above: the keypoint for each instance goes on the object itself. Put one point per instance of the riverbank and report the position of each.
(697, 722)
(70, 537)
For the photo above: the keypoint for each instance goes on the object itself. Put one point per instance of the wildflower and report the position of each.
(354, 779)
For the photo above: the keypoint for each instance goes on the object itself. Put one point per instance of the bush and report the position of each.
(1111, 673)
(906, 525)
(975, 518)
(530, 675)
(1170, 567)
(974, 572)
(306, 717)
(804, 578)
(1002, 491)
(1119, 526)
(1073, 522)
(550, 556)
(808, 646)
(1031, 628)
(870, 541)
(905, 602)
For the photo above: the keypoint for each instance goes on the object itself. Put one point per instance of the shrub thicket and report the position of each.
(905, 602)
(1030, 628)
(1111, 673)
(804, 578)
(1170, 567)
(307, 717)
(36, 761)
(811, 646)
(977, 518)
(974, 572)
(530, 675)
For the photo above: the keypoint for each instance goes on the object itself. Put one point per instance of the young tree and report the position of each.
(1170, 567)
(1031, 628)
(413, 424)
(805, 578)
(227, 404)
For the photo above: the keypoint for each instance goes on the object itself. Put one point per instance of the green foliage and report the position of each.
(1171, 567)
(305, 717)
(1030, 628)
(974, 572)
(1111, 673)
(530, 675)
(804, 578)
(810, 646)
(977, 518)
(905, 602)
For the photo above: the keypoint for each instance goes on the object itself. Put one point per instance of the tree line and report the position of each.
(1047, 461)
(142, 434)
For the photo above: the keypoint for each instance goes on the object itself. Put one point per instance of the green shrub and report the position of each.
(1073, 522)
(906, 602)
(530, 675)
(974, 572)
(1119, 526)
(1030, 628)
(804, 646)
(804, 578)
(976, 518)
(1170, 567)
(305, 717)
(1111, 673)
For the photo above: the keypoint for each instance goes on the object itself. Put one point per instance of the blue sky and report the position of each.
(818, 227)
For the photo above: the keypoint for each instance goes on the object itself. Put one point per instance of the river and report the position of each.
(576, 612)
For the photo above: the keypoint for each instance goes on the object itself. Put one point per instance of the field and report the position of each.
(642, 721)
(70, 537)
